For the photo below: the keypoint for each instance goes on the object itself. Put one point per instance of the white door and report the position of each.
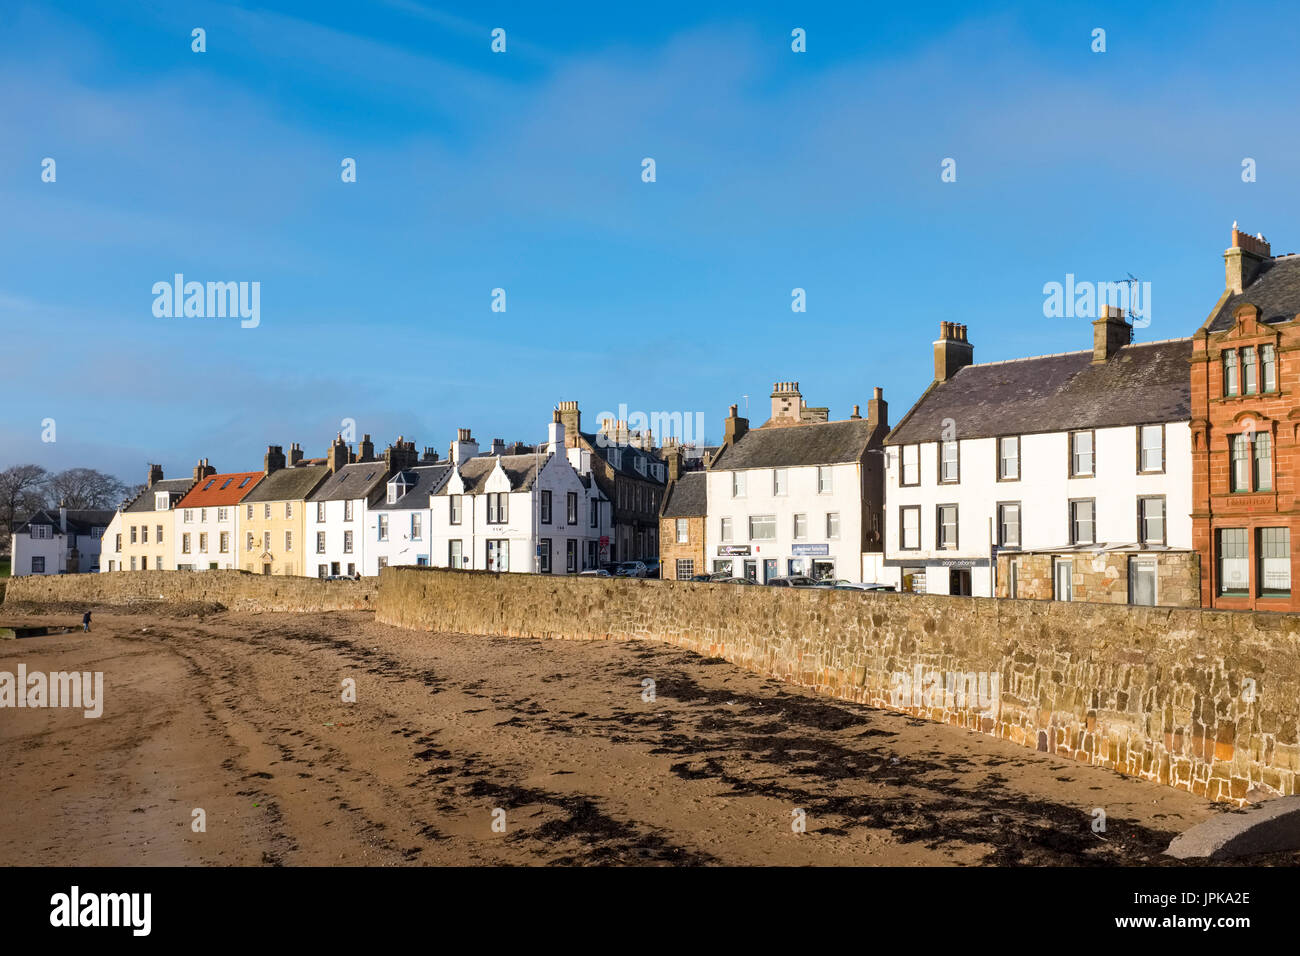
(1142, 581)
(1064, 580)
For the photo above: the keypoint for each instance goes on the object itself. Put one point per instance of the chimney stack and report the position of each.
(734, 427)
(1110, 333)
(1243, 259)
(203, 470)
(787, 401)
(877, 409)
(400, 455)
(274, 459)
(155, 475)
(952, 352)
(571, 419)
(295, 454)
(366, 449)
(338, 455)
(555, 433)
(463, 448)
(430, 454)
(498, 447)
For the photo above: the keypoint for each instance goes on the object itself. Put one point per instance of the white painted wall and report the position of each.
(522, 529)
(801, 497)
(55, 551)
(209, 521)
(108, 548)
(1044, 491)
(335, 526)
(401, 546)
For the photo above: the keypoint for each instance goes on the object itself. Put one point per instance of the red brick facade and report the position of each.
(1245, 383)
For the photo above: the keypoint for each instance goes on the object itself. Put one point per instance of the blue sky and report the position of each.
(522, 170)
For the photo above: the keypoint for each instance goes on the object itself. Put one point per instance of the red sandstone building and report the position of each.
(1245, 379)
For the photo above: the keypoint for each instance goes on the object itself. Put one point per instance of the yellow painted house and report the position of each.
(139, 538)
(271, 526)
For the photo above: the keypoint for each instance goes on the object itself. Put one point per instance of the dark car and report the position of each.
(792, 581)
(734, 581)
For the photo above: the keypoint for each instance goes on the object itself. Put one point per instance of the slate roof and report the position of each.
(361, 479)
(1140, 384)
(288, 484)
(687, 496)
(817, 443)
(80, 520)
(1275, 291)
(427, 480)
(520, 469)
(176, 487)
(224, 489)
(630, 455)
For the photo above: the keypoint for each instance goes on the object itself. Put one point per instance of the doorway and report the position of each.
(959, 582)
(1142, 581)
(1064, 580)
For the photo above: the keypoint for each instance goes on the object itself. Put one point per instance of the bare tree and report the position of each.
(22, 491)
(129, 494)
(85, 488)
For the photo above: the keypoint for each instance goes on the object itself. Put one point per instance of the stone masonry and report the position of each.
(1205, 701)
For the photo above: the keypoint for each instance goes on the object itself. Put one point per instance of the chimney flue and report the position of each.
(952, 352)
(1110, 333)
(1243, 259)
(735, 427)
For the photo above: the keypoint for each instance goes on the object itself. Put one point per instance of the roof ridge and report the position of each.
(1032, 358)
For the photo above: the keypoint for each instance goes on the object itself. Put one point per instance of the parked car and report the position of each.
(861, 586)
(734, 581)
(652, 568)
(792, 581)
(705, 577)
(595, 573)
(631, 569)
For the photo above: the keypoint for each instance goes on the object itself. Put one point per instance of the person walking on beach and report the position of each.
(85, 622)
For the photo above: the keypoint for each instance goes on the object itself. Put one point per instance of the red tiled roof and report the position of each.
(214, 490)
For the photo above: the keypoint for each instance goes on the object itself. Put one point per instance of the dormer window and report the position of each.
(226, 484)
(162, 500)
(211, 482)
(640, 464)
